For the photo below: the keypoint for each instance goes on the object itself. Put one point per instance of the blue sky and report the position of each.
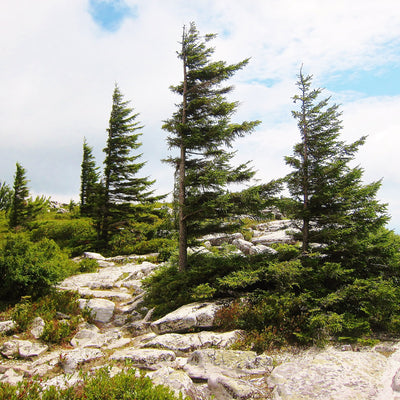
(109, 15)
(60, 60)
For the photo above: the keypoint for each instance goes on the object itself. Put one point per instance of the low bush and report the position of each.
(31, 269)
(123, 386)
(55, 330)
(73, 235)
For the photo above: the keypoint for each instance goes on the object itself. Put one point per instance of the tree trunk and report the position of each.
(182, 193)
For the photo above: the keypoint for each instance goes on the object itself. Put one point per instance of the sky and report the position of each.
(60, 61)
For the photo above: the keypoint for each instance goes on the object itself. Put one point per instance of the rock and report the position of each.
(223, 387)
(92, 338)
(94, 256)
(7, 326)
(144, 358)
(37, 329)
(102, 310)
(216, 239)
(22, 348)
(396, 381)
(195, 315)
(233, 359)
(11, 377)
(27, 349)
(112, 295)
(243, 245)
(177, 380)
(262, 249)
(9, 349)
(329, 374)
(70, 361)
(273, 237)
(182, 343)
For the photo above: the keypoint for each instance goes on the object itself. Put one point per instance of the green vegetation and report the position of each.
(123, 386)
(31, 268)
(202, 131)
(339, 281)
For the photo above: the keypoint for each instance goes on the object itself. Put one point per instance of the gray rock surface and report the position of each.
(195, 315)
(102, 310)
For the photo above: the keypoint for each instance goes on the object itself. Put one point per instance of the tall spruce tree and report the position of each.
(18, 210)
(89, 181)
(335, 208)
(202, 131)
(122, 187)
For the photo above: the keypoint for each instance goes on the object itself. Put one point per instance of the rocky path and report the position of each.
(182, 351)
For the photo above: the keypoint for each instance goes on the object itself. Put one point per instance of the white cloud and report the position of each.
(58, 71)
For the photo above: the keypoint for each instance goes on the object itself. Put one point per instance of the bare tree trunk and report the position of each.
(182, 193)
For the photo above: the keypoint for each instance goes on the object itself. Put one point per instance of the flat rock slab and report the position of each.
(247, 361)
(329, 374)
(144, 357)
(182, 343)
(195, 315)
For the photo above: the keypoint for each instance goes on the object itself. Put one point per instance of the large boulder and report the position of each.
(102, 310)
(187, 317)
(216, 239)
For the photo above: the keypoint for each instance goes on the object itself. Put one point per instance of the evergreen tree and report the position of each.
(89, 181)
(202, 132)
(122, 187)
(333, 205)
(5, 197)
(18, 210)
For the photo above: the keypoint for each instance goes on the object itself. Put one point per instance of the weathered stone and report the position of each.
(37, 329)
(70, 360)
(234, 359)
(27, 349)
(329, 374)
(9, 349)
(243, 245)
(11, 377)
(223, 387)
(181, 343)
(396, 381)
(195, 315)
(102, 310)
(216, 239)
(177, 380)
(112, 295)
(262, 249)
(144, 357)
(6, 326)
(94, 256)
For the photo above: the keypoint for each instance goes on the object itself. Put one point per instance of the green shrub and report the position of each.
(74, 235)
(123, 386)
(31, 269)
(88, 265)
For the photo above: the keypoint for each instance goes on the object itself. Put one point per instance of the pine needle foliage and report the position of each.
(202, 131)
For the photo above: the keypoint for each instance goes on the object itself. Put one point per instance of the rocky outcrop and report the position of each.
(187, 317)
(183, 351)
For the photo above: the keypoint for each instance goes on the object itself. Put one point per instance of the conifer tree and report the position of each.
(122, 186)
(18, 210)
(334, 206)
(5, 196)
(89, 181)
(202, 131)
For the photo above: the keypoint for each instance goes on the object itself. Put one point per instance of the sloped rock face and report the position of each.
(182, 351)
(330, 374)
